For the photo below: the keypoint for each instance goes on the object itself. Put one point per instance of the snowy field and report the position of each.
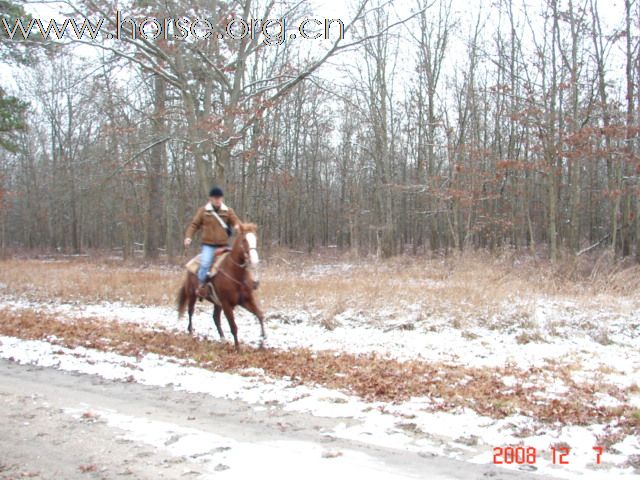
(597, 342)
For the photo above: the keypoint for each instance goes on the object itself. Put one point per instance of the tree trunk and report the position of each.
(626, 168)
(155, 169)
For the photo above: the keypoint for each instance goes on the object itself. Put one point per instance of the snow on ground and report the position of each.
(227, 458)
(462, 435)
(600, 342)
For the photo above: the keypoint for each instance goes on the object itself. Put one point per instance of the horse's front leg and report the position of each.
(228, 312)
(216, 319)
(251, 306)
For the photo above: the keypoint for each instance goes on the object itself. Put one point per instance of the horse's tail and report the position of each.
(183, 298)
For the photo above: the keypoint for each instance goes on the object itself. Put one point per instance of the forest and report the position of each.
(425, 126)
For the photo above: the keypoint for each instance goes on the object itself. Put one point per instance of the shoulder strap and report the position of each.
(220, 221)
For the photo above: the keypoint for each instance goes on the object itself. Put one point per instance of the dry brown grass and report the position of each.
(90, 281)
(464, 283)
(368, 376)
(474, 284)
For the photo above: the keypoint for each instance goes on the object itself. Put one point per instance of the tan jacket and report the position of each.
(212, 232)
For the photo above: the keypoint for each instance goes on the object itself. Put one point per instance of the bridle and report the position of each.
(245, 252)
(246, 264)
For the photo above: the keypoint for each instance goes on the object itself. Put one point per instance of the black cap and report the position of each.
(216, 192)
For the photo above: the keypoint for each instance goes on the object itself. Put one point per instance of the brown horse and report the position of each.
(231, 284)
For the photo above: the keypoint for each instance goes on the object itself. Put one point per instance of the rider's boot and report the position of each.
(201, 291)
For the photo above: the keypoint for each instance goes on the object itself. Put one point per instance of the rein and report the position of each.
(242, 265)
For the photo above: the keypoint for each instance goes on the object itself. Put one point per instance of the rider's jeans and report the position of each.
(206, 260)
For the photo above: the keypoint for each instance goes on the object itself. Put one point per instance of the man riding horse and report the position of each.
(215, 219)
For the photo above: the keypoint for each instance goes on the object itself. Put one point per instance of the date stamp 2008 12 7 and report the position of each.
(521, 455)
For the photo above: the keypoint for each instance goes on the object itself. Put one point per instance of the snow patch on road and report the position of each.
(229, 458)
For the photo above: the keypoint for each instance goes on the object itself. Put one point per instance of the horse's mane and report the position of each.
(249, 227)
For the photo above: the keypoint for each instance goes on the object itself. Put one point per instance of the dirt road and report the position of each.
(58, 425)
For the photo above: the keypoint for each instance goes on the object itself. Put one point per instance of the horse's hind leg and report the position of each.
(228, 312)
(250, 305)
(216, 320)
(192, 302)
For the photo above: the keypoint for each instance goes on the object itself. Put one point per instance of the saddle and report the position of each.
(194, 264)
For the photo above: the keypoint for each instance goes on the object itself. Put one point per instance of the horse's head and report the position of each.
(248, 236)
